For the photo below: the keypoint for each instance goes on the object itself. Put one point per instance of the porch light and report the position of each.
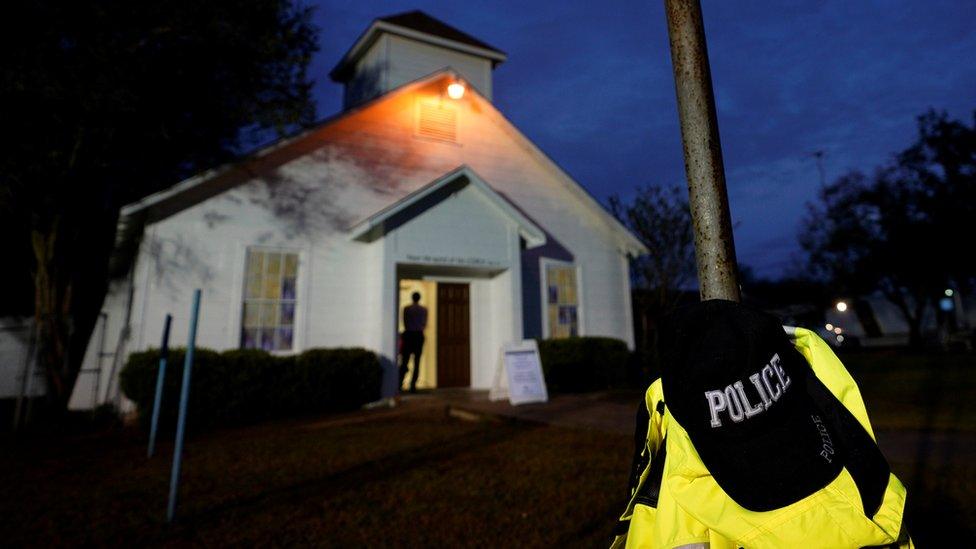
(455, 90)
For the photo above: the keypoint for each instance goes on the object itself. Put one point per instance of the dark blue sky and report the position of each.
(591, 84)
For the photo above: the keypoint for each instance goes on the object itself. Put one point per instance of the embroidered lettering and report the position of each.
(770, 382)
(827, 445)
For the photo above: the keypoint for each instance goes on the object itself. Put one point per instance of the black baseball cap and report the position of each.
(762, 423)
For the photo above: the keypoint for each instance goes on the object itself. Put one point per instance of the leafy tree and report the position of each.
(897, 231)
(661, 219)
(106, 102)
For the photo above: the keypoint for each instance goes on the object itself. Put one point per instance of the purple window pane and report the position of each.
(284, 338)
(288, 288)
(267, 339)
(553, 294)
(567, 314)
(249, 338)
(287, 314)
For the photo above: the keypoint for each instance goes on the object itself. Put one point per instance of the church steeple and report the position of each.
(401, 48)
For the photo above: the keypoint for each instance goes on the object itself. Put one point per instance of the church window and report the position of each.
(270, 294)
(562, 300)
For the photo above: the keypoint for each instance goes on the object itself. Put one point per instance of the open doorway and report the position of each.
(427, 377)
(446, 357)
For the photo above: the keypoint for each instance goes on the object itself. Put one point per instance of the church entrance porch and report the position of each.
(446, 357)
(468, 318)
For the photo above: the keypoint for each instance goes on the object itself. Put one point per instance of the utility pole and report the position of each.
(714, 248)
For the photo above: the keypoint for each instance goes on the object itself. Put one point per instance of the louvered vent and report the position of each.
(437, 121)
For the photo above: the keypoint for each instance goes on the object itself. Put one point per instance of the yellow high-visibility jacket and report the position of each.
(676, 503)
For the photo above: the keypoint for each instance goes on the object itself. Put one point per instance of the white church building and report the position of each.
(419, 184)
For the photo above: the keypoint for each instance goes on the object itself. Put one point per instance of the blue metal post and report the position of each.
(160, 376)
(174, 479)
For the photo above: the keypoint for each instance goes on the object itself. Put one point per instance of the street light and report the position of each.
(949, 292)
(841, 306)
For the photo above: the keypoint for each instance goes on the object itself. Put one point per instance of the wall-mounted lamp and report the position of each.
(455, 90)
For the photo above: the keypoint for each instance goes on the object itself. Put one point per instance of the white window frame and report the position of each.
(544, 264)
(236, 315)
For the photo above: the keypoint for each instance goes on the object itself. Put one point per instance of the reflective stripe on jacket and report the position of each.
(675, 502)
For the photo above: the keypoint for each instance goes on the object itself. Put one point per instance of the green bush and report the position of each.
(244, 386)
(581, 364)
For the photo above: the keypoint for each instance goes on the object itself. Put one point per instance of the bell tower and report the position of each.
(400, 48)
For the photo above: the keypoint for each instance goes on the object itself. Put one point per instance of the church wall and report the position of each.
(347, 171)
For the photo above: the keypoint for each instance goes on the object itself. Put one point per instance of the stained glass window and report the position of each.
(562, 301)
(268, 320)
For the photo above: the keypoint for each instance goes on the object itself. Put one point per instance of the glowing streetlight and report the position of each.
(841, 306)
(949, 292)
(455, 90)
(829, 327)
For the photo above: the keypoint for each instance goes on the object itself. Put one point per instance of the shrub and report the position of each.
(581, 364)
(244, 386)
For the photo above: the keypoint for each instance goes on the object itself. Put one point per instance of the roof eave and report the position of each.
(534, 236)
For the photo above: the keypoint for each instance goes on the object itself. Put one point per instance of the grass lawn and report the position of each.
(923, 408)
(416, 478)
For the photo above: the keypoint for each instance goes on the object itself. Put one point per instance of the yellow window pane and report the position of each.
(253, 286)
(252, 314)
(274, 264)
(255, 262)
(269, 314)
(272, 287)
(291, 265)
(570, 290)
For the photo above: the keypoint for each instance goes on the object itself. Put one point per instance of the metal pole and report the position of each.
(714, 248)
(160, 377)
(174, 479)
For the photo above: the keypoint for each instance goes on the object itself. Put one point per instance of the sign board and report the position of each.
(519, 375)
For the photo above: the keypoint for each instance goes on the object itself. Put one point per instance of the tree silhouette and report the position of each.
(899, 230)
(106, 102)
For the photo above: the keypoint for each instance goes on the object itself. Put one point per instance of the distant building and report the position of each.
(874, 321)
(420, 184)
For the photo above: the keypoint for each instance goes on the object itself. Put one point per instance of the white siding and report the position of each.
(393, 61)
(410, 60)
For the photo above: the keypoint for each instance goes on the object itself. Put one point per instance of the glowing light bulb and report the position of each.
(830, 327)
(837, 330)
(841, 306)
(455, 90)
(949, 292)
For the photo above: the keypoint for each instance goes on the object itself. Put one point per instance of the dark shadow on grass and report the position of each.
(358, 475)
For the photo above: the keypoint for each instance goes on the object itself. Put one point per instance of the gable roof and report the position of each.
(419, 26)
(420, 21)
(534, 236)
(214, 181)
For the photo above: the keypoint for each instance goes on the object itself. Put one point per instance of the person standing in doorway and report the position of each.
(414, 322)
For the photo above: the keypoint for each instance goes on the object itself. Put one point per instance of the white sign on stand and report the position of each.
(519, 375)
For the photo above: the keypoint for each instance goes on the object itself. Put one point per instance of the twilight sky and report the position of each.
(591, 84)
